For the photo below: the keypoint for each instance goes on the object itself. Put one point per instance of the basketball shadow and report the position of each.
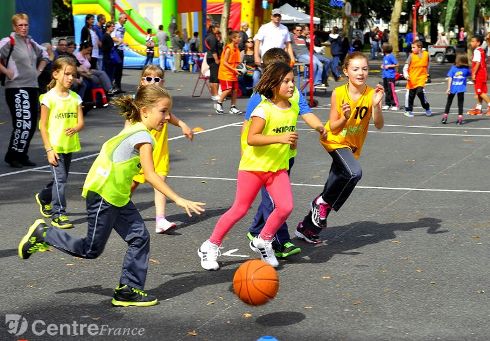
(280, 318)
(347, 239)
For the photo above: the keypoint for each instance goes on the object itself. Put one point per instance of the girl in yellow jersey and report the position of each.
(352, 107)
(264, 162)
(153, 74)
(107, 190)
(61, 120)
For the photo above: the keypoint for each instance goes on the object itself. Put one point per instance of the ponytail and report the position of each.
(128, 108)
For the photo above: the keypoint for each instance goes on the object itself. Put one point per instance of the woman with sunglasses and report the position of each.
(26, 61)
(154, 74)
(247, 57)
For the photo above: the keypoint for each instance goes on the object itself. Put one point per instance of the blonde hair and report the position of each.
(146, 96)
(353, 55)
(151, 68)
(19, 16)
(59, 65)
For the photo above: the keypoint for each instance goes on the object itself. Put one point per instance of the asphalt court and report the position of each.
(404, 259)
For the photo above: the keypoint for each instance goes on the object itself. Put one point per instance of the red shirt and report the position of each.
(479, 56)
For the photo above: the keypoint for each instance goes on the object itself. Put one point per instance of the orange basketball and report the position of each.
(255, 282)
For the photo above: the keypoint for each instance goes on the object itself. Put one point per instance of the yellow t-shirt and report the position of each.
(272, 157)
(161, 157)
(418, 70)
(356, 128)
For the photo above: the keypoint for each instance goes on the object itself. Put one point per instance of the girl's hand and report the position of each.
(379, 92)
(294, 145)
(346, 110)
(53, 158)
(448, 91)
(189, 206)
(70, 131)
(9, 73)
(322, 131)
(288, 138)
(187, 132)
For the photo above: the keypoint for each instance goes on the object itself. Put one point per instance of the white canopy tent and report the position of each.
(291, 15)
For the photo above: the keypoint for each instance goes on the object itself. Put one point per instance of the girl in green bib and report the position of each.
(61, 120)
(107, 190)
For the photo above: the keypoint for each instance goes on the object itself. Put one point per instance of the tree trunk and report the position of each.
(468, 24)
(395, 25)
(224, 21)
(113, 11)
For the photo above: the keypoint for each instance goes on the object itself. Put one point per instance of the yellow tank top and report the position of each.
(418, 70)
(356, 128)
(272, 157)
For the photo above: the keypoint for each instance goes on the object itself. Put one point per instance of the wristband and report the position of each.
(49, 150)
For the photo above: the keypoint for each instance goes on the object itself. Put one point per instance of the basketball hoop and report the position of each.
(354, 17)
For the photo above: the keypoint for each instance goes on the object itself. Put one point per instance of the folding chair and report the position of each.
(200, 77)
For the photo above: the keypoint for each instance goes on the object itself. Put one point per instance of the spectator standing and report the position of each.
(89, 35)
(99, 29)
(177, 46)
(462, 38)
(272, 34)
(150, 47)
(107, 47)
(212, 58)
(357, 44)
(335, 40)
(194, 48)
(374, 40)
(163, 38)
(442, 40)
(118, 37)
(408, 42)
(26, 63)
(243, 36)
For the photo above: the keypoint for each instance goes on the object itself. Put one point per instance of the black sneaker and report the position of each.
(33, 241)
(125, 296)
(285, 250)
(62, 222)
(309, 235)
(44, 208)
(319, 213)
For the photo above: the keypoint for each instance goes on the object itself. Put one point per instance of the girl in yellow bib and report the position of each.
(352, 106)
(61, 120)
(107, 190)
(264, 162)
(153, 74)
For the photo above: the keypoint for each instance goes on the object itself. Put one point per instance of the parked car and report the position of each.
(442, 54)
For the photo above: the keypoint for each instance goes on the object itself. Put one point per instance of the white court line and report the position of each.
(410, 189)
(95, 154)
(412, 133)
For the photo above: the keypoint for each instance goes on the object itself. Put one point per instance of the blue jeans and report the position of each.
(317, 67)
(54, 192)
(256, 76)
(335, 66)
(326, 65)
(264, 210)
(374, 49)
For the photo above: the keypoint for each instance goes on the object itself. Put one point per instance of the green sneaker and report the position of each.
(62, 222)
(33, 241)
(125, 296)
(285, 250)
(250, 236)
(44, 208)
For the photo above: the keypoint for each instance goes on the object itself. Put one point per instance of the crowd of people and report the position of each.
(140, 151)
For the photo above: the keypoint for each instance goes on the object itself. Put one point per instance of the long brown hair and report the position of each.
(60, 64)
(271, 79)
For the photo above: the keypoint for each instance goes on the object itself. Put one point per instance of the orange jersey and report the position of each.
(356, 128)
(418, 70)
(224, 72)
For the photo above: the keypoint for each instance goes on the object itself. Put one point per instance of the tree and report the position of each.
(395, 24)
(224, 20)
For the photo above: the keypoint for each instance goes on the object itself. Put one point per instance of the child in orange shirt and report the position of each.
(479, 75)
(416, 71)
(228, 74)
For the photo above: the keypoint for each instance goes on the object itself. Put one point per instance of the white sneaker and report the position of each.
(163, 225)
(394, 108)
(408, 114)
(385, 107)
(219, 108)
(235, 111)
(264, 248)
(215, 98)
(209, 253)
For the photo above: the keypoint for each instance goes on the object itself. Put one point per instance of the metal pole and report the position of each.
(415, 9)
(312, 44)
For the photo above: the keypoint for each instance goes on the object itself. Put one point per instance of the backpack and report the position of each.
(192, 46)
(6, 62)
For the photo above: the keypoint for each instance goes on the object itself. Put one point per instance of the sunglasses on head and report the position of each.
(250, 41)
(152, 79)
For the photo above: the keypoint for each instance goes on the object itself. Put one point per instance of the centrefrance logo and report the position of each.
(18, 325)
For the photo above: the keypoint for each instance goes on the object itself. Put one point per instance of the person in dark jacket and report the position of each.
(335, 40)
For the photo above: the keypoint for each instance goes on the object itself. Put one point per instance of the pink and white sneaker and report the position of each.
(163, 225)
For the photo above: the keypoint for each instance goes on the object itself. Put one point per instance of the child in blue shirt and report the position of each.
(456, 85)
(389, 66)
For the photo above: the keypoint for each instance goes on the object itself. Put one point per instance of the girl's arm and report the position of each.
(256, 138)
(225, 63)
(377, 112)
(338, 120)
(80, 123)
(314, 122)
(146, 158)
(174, 120)
(43, 127)
(449, 81)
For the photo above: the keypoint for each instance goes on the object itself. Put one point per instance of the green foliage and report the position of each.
(61, 10)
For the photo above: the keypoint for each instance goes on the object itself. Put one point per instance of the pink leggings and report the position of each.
(248, 185)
